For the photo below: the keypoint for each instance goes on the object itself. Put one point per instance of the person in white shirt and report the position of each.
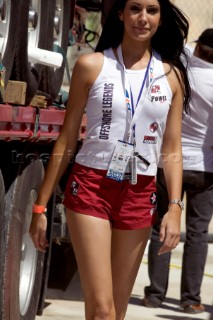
(197, 142)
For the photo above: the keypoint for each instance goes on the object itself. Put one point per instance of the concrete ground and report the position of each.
(74, 309)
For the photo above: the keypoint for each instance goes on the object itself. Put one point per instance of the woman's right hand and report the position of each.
(38, 231)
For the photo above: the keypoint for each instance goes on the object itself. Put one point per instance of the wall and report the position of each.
(199, 13)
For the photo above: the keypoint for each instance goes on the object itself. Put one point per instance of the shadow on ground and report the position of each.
(172, 305)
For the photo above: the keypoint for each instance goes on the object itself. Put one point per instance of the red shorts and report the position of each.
(126, 206)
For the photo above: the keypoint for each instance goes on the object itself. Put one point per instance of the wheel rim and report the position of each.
(58, 22)
(34, 22)
(5, 8)
(28, 261)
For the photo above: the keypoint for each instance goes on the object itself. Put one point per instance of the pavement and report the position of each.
(74, 308)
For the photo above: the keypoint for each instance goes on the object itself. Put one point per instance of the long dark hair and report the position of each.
(168, 41)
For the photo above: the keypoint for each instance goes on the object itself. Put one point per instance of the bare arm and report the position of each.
(84, 74)
(172, 166)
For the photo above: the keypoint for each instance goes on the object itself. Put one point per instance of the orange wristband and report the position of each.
(39, 209)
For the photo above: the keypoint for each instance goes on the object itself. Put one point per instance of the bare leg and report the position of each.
(91, 240)
(127, 252)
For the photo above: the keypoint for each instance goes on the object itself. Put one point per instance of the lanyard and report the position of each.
(131, 108)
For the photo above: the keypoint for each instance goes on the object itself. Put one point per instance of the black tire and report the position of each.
(2, 234)
(8, 29)
(2, 198)
(48, 80)
(52, 78)
(21, 255)
(22, 69)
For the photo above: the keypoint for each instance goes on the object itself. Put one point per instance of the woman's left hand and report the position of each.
(170, 229)
(38, 231)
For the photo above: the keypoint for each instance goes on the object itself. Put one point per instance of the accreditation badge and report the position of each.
(120, 160)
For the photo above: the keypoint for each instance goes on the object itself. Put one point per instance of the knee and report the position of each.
(100, 310)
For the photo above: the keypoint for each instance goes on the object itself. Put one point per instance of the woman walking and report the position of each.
(133, 89)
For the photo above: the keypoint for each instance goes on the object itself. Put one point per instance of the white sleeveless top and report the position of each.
(197, 127)
(107, 119)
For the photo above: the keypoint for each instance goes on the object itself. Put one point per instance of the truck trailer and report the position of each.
(33, 39)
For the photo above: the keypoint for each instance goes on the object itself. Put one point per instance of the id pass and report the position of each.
(120, 159)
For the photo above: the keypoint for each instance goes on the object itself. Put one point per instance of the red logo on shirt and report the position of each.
(155, 89)
(150, 140)
(153, 127)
